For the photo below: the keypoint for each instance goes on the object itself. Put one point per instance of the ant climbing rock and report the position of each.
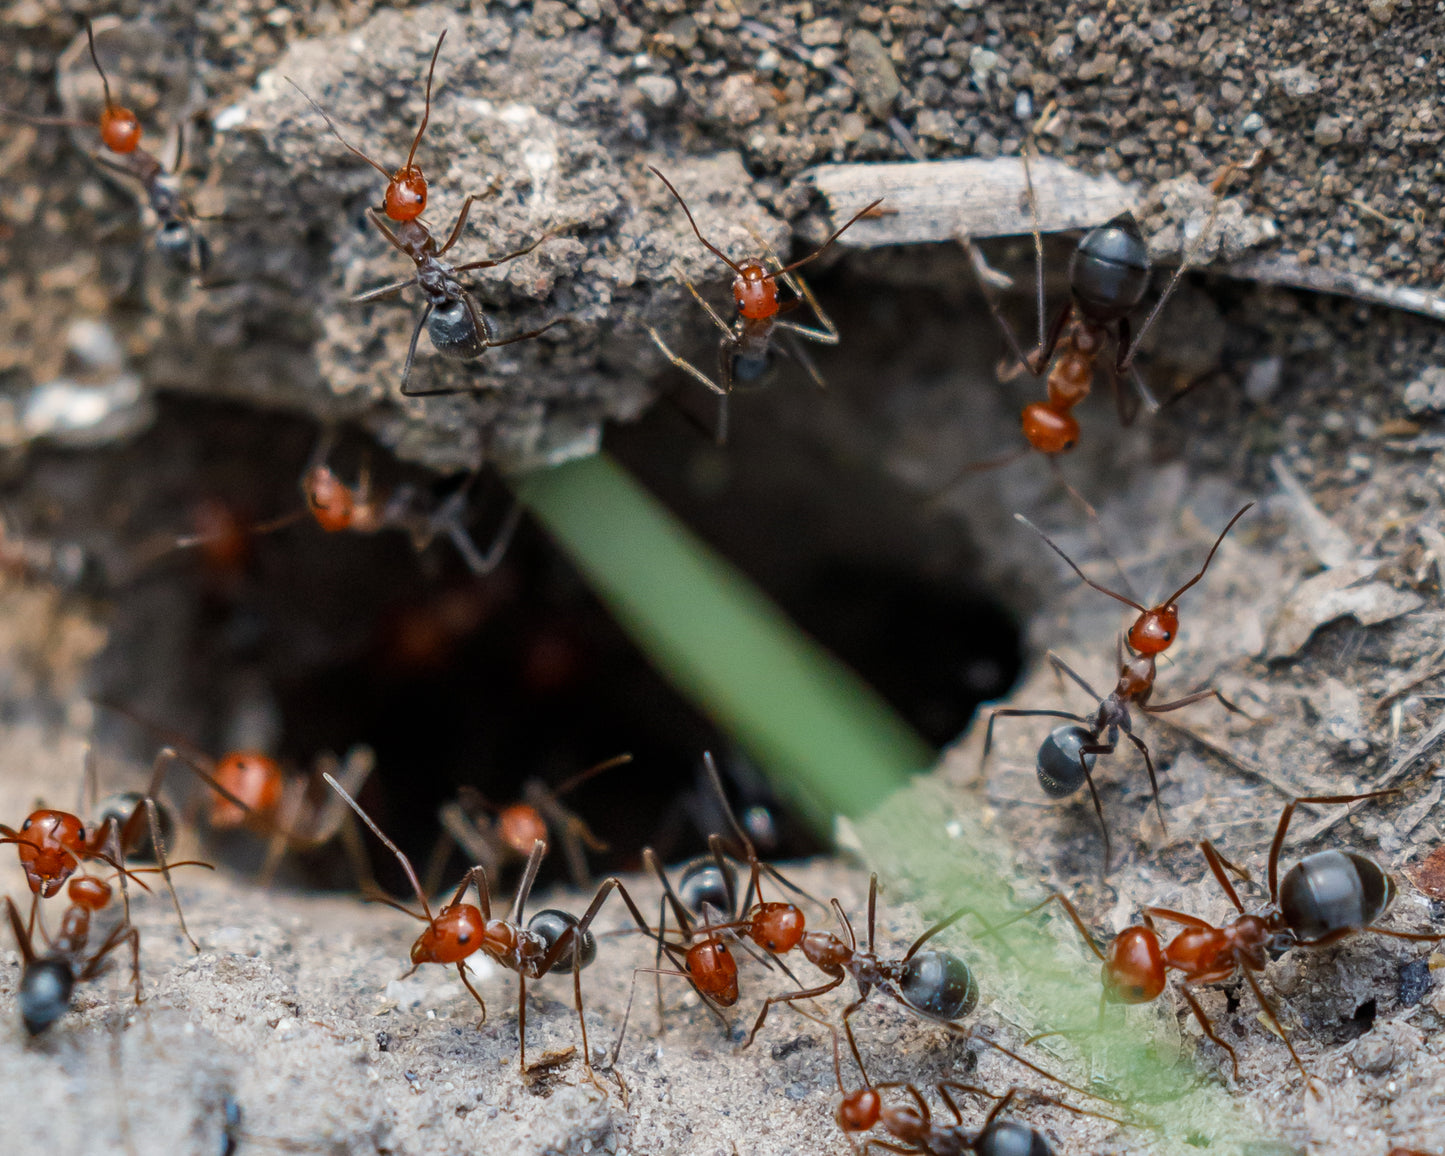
(517, 827)
(551, 940)
(177, 238)
(451, 316)
(1066, 757)
(1325, 897)
(1109, 273)
(744, 352)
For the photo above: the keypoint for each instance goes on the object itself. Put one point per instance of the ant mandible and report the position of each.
(1325, 897)
(550, 940)
(1109, 273)
(177, 238)
(745, 347)
(1066, 757)
(518, 826)
(452, 318)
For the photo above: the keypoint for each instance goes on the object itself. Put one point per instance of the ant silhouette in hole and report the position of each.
(451, 316)
(1066, 757)
(746, 346)
(177, 238)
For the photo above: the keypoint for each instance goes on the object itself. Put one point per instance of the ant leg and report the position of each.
(481, 1003)
(1288, 813)
(984, 466)
(461, 223)
(1209, 1028)
(531, 333)
(1085, 750)
(1079, 500)
(1269, 1011)
(1217, 863)
(411, 351)
(1015, 712)
(494, 261)
(478, 563)
(683, 364)
(1069, 909)
(948, 921)
(1064, 668)
(790, 997)
(1180, 917)
(522, 1023)
(1153, 779)
(524, 885)
(1191, 699)
(21, 932)
(984, 277)
(158, 842)
(827, 331)
(383, 290)
(794, 349)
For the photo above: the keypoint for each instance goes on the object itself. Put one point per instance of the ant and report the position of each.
(253, 793)
(452, 318)
(1109, 273)
(550, 940)
(177, 239)
(518, 826)
(746, 345)
(1325, 897)
(1066, 757)
(48, 981)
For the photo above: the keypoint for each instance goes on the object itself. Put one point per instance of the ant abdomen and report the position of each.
(45, 991)
(1109, 271)
(1333, 891)
(704, 884)
(939, 984)
(1012, 1138)
(751, 368)
(551, 925)
(1059, 770)
(453, 331)
(121, 807)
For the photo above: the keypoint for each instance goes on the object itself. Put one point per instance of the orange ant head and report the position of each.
(455, 933)
(329, 499)
(520, 826)
(860, 1110)
(89, 892)
(1134, 966)
(1048, 430)
(405, 194)
(712, 967)
(756, 291)
(253, 778)
(777, 927)
(1154, 630)
(49, 843)
(119, 129)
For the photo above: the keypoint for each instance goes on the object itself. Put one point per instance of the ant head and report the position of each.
(329, 499)
(1134, 967)
(713, 969)
(405, 194)
(520, 825)
(777, 927)
(1049, 431)
(755, 290)
(119, 128)
(1109, 271)
(455, 933)
(89, 892)
(47, 843)
(1154, 631)
(860, 1110)
(253, 778)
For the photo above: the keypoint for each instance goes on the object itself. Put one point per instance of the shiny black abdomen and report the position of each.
(1060, 773)
(1109, 271)
(939, 984)
(550, 925)
(1332, 891)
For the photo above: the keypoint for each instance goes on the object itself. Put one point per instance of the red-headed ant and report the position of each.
(1325, 897)
(177, 238)
(746, 346)
(1066, 757)
(549, 941)
(1109, 274)
(452, 318)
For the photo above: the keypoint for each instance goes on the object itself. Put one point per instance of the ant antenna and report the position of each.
(426, 114)
(1104, 589)
(105, 84)
(826, 245)
(731, 264)
(1210, 558)
(336, 132)
(387, 843)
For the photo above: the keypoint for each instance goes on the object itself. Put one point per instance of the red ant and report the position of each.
(452, 318)
(1066, 757)
(253, 793)
(519, 826)
(747, 344)
(550, 940)
(1109, 273)
(120, 132)
(1325, 897)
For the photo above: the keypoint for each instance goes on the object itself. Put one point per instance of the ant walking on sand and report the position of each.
(746, 346)
(1066, 757)
(177, 238)
(550, 940)
(1322, 899)
(452, 318)
(1109, 273)
(511, 834)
